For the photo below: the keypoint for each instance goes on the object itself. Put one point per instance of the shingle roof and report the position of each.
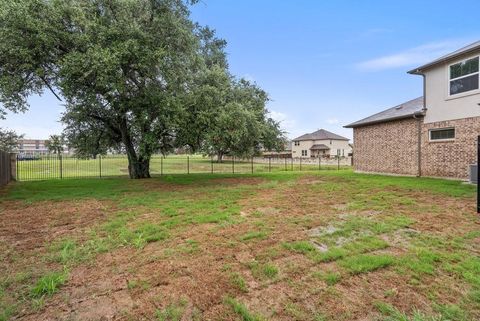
(319, 147)
(471, 47)
(405, 110)
(319, 135)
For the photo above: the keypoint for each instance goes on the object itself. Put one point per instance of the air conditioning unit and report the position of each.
(473, 174)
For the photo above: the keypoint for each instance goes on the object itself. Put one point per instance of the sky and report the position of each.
(324, 63)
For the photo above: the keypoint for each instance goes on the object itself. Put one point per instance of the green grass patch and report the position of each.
(241, 310)
(173, 312)
(263, 271)
(70, 189)
(366, 263)
(237, 280)
(303, 247)
(48, 284)
(261, 235)
(444, 313)
(330, 277)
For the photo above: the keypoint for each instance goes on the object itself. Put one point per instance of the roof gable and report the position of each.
(320, 135)
(405, 110)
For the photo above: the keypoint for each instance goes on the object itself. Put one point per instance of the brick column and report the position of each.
(13, 166)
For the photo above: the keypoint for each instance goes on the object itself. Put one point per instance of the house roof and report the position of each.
(319, 147)
(467, 49)
(406, 110)
(320, 135)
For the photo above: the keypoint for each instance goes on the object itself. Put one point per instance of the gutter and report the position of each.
(414, 115)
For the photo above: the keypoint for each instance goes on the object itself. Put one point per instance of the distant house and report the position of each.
(32, 146)
(433, 135)
(37, 147)
(321, 143)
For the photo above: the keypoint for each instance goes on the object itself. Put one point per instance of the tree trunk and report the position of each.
(219, 157)
(139, 168)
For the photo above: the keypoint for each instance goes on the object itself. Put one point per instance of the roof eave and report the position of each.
(420, 70)
(353, 125)
(305, 139)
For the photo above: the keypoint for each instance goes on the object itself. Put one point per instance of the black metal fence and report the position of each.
(53, 166)
(5, 168)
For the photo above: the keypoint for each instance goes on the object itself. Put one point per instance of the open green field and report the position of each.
(52, 167)
(313, 245)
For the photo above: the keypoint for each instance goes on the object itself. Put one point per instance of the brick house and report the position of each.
(320, 143)
(434, 135)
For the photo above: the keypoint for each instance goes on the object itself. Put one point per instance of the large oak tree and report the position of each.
(135, 75)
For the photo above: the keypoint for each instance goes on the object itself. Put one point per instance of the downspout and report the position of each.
(419, 146)
(419, 128)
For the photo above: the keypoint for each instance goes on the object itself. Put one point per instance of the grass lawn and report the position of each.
(313, 245)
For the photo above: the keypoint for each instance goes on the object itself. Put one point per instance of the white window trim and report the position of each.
(441, 140)
(449, 80)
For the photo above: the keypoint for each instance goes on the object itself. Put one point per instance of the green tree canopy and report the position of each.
(137, 75)
(55, 144)
(9, 140)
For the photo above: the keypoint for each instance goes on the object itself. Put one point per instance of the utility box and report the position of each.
(473, 174)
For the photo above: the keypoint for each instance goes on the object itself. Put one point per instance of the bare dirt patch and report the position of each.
(27, 227)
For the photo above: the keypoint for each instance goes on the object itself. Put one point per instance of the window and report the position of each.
(442, 134)
(464, 76)
(304, 152)
(338, 152)
(297, 143)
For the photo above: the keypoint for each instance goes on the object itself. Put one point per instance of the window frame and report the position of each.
(296, 143)
(442, 139)
(450, 79)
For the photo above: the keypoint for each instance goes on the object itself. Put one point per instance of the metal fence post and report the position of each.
(161, 165)
(338, 160)
(233, 164)
(269, 164)
(188, 164)
(211, 164)
(300, 163)
(319, 162)
(61, 165)
(252, 164)
(291, 163)
(286, 164)
(100, 165)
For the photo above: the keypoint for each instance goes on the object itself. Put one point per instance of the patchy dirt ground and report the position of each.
(187, 250)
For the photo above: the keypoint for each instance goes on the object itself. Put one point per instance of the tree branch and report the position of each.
(50, 88)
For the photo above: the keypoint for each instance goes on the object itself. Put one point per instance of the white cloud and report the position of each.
(332, 121)
(413, 56)
(286, 122)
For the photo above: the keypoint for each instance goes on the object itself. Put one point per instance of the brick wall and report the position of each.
(389, 147)
(450, 158)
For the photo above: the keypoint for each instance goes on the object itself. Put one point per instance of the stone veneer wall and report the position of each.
(390, 147)
(450, 158)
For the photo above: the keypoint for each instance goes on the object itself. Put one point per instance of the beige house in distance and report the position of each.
(434, 135)
(320, 143)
